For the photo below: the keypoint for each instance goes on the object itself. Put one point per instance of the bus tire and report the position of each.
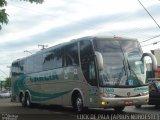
(22, 100)
(28, 100)
(119, 109)
(78, 103)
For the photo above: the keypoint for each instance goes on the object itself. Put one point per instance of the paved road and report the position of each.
(14, 111)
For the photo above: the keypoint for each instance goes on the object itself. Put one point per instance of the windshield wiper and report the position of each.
(131, 70)
(123, 70)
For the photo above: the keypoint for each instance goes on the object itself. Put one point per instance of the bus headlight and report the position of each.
(103, 102)
(144, 93)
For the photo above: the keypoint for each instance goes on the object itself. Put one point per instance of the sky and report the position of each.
(58, 21)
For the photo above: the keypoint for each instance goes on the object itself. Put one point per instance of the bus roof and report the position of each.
(76, 40)
(88, 38)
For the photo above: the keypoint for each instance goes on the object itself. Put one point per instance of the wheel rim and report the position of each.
(79, 104)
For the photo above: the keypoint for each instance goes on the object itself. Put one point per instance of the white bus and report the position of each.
(90, 72)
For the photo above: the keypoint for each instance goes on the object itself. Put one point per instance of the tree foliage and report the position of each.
(4, 16)
(36, 1)
(7, 84)
(3, 3)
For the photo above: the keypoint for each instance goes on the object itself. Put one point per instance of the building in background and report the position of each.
(157, 55)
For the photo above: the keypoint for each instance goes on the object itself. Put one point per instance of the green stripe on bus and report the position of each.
(44, 97)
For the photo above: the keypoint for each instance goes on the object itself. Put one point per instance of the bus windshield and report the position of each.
(122, 63)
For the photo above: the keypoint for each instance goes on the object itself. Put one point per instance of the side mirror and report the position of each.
(153, 58)
(99, 59)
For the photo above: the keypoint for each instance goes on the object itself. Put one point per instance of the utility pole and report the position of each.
(43, 46)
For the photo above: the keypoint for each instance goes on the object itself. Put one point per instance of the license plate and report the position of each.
(128, 102)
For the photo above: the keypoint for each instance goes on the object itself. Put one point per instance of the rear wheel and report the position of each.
(28, 100)
(22, 100)
(119, 109)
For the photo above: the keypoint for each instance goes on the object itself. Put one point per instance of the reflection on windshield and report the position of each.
(122, 63)
(133, 55)
(114, 68)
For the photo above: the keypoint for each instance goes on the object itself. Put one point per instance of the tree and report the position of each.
(4, 16)
(7, 84)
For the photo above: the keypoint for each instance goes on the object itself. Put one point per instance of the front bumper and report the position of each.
(125, 101)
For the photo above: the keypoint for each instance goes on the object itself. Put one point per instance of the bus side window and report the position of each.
(71, 53)
(17, 68)
(38, 61)
(53, 59)
(88, 62)
(92, 71)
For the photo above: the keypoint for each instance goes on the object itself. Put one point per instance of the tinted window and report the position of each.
(52, 59)
(133, 55)
(71, 53)
(17, 68)
(29, 65)
(113, 58)
(33, 63)
(38, 61)
(88, 62)
(131, 49)
(86, 50)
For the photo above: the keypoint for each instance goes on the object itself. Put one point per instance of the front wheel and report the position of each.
(119, 109)
(78, 105)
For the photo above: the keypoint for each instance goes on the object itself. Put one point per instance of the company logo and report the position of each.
(109, 90)
(141, 89)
